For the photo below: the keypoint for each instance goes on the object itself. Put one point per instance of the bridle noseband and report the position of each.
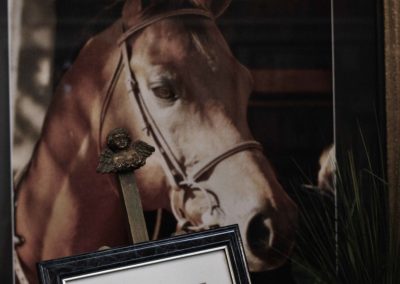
(182, 179)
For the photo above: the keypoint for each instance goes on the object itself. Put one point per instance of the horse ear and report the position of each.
(217, 7)
(133, 8)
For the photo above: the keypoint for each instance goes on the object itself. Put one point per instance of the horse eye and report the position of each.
(164, 93)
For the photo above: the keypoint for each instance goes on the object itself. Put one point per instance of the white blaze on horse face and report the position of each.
(197, 93)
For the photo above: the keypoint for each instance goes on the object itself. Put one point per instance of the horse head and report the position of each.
(189, 97)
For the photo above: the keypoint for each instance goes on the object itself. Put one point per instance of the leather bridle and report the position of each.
(182, 178)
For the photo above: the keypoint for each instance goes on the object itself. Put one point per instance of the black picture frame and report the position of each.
(6, 220)
(144, 254)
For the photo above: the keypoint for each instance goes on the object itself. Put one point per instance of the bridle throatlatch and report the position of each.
(183, 180)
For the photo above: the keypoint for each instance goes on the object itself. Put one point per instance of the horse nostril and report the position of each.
(266, 243)
(259, 234)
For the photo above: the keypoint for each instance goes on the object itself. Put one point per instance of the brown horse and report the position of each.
(197, 94)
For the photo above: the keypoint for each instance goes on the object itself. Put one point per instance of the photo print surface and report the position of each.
(241, 86)
(201, 268)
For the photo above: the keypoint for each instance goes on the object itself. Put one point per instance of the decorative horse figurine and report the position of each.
(165, 73)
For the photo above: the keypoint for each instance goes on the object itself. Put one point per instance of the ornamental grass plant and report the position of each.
(347, 235)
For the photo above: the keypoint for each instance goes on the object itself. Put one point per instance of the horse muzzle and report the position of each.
(268, 242)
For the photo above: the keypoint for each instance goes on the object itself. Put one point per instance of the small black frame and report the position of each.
(56, 271)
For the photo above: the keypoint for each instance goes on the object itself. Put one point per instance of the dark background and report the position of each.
(287, 45)
(359, 76)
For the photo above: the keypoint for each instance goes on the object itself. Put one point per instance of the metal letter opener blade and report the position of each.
(123, 157)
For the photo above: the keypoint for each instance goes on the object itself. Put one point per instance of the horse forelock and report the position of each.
(134, 13)
(182, 36)
(199, 40)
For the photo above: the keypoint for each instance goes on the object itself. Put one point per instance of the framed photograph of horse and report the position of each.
(213, 257)
(236, 97)
(247, 102)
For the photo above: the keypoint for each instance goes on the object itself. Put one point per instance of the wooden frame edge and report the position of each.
(392, 75)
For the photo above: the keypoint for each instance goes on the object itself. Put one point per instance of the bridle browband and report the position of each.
(182, 179)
